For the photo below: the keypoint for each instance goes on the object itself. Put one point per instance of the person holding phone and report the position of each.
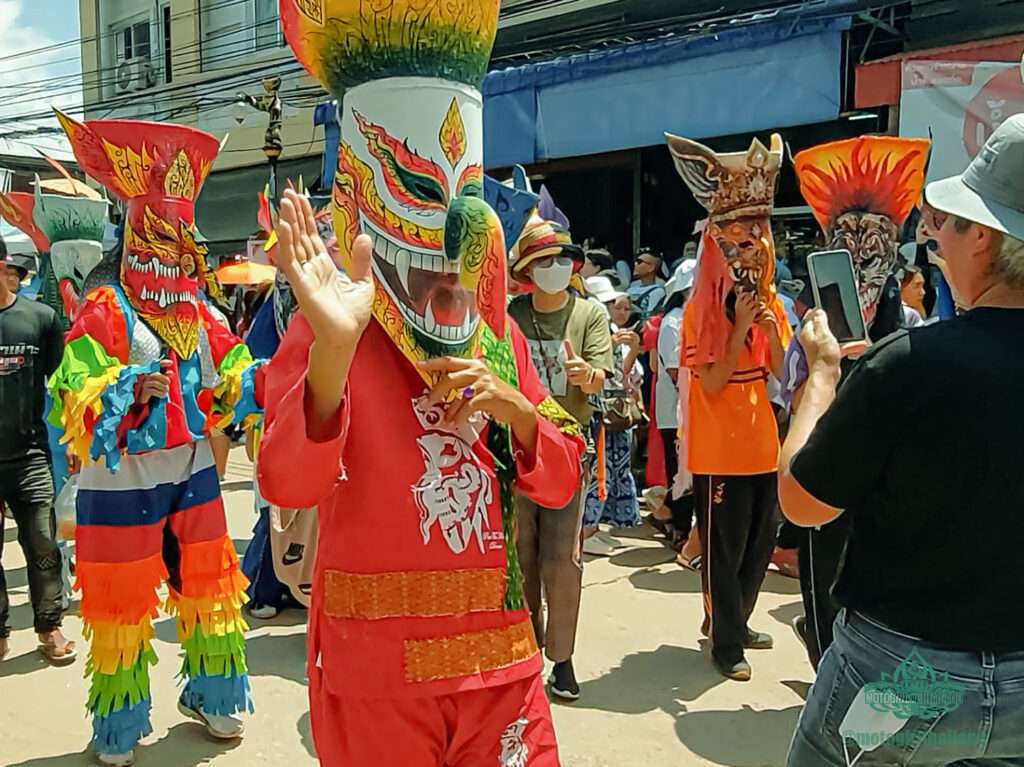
(734, 333)
(571, 345)
(931, 570)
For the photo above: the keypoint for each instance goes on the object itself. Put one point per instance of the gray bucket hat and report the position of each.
(991, 191)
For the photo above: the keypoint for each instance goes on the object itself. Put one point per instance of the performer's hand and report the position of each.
(479, 391)
(153, 385)
(336, 305)
(577, 370)
(820, 346)
(747, 310)
(767, 322)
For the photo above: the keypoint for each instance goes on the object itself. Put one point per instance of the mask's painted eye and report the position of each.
(423, 187)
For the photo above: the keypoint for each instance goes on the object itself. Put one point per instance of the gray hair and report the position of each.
(1008, 262)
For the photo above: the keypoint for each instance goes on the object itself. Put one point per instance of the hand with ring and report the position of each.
(479, 391)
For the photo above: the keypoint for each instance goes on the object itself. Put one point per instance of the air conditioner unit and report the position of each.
(135, 75)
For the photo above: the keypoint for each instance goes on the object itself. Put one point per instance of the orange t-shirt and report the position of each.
(733, 431)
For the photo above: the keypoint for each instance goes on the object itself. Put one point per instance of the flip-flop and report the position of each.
(693, 563)
(49, 651)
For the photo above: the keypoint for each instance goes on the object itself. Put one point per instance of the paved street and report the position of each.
(650, 696)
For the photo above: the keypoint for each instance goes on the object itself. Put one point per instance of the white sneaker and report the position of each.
(610, 539)
(219, 726)
(263, 612)
(597, 547)
(117, 760)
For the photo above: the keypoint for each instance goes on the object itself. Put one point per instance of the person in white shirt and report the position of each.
(666, 413)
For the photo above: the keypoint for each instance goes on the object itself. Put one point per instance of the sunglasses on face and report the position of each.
(544, 263)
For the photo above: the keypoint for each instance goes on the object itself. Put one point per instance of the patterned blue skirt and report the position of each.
(621, 508)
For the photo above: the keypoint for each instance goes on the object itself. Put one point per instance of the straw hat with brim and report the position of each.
(541, 239)
(601, 288)
(991, 191)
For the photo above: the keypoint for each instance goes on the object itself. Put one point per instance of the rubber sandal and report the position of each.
(691, 563)
(66, 656)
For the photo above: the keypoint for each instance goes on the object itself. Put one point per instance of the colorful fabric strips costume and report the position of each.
(149, 502)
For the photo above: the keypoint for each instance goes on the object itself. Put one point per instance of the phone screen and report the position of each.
(835, 291)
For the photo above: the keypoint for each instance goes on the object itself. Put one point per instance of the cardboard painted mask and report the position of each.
(67, 232)
(738, 191)
(861, 191)
(410, 160)
(157, 170)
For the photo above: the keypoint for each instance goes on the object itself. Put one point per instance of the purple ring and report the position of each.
(468, 393)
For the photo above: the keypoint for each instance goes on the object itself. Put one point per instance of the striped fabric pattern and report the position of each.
(159, 519)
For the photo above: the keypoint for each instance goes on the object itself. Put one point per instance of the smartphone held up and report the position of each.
(834, 286)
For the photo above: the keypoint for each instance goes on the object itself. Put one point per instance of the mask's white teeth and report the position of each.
(429, 323)
(163, 297)
(402, 259)
(467, 325)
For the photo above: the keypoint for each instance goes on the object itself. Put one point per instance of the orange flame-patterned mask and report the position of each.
(861, 191)
(157, 169)
(410, 164)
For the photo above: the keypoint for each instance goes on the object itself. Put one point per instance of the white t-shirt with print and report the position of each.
(665, 393)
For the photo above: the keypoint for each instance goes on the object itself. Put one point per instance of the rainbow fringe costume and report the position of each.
(150, 511)
(149, 505)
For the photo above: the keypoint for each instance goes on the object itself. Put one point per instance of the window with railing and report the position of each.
(233, 29)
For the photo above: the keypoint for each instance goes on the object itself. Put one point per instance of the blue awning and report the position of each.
(773, 73)
(768, 70)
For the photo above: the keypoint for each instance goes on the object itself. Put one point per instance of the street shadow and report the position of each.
(10, 532)
(802, 689)
(280, 655)
(675, 580)
(17, 577)
(241, 545)
(780, 584)
(786, 613)
(236, 484)
(664, 679)
(27, 663)
(641, 532)
(739, 738)
(184, 745)
(306, 734)
(647, 556)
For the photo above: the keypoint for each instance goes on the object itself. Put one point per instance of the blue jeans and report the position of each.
(980, 724)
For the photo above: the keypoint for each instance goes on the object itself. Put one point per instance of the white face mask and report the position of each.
(555, 278)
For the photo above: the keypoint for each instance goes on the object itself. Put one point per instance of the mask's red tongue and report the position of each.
(449, 303)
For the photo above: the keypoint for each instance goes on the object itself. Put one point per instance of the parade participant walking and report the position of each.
(147, 373)
(421, 650)
(734, 333)
(926, 663)
(31, 343)
(571, 346)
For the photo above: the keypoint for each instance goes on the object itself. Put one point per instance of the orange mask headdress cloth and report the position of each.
(407, 77)
(861, 191)
(157, 169)
(737, 250)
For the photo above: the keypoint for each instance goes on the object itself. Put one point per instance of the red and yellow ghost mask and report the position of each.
(410, 161)
(861, 192)
(157, 169)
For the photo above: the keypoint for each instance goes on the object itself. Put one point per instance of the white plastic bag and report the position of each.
(64, 509)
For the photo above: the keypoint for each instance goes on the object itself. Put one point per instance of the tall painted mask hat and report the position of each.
(157, 170)
(68, 228)
(410, 161)
(861, 192)
(738, 191)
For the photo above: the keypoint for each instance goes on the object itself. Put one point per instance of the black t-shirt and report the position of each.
(923, 447)
(31, 346)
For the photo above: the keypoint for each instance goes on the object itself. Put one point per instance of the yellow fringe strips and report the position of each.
(216, 617)
(113, 647)
(120, 592)
(77, 404)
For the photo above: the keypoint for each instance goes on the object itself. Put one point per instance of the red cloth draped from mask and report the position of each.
(710, 322)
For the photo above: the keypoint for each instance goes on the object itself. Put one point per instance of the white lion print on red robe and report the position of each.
(455, 490)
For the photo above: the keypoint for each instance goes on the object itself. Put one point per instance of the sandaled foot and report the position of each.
(689, 562)
(57, 649)
(117, 760)
(219, 726)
